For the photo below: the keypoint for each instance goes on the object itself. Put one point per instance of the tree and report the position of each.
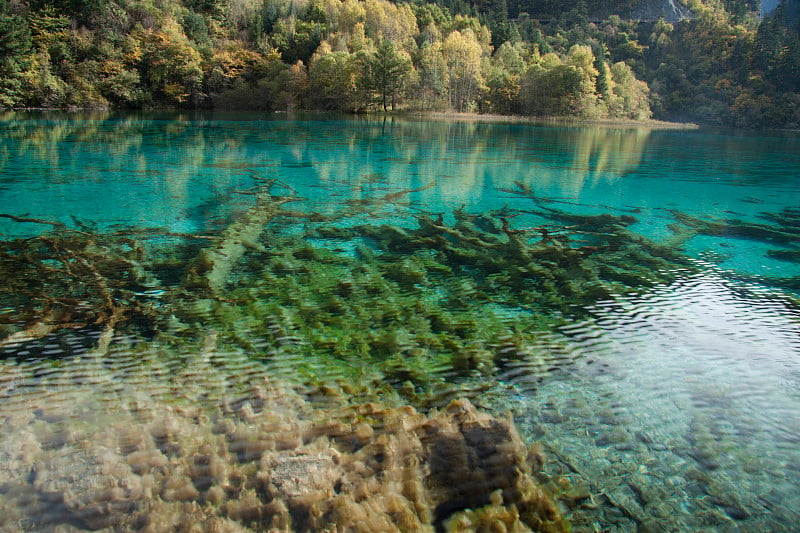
(387, 21)
(387, 71)
(509, 57)
(503, 91)
(15, 43)
(548, 89)
(660, 42)
(171, 68)
(332, 78)
(463, 54)
(432, 79)
(602, 82)
(633, 93)
(297, 40)
(503, 79)
(586, 103)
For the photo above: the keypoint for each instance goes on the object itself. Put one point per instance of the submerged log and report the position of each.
(792, 256)
(738, 229)
(68, 279)
(212, 267)
(788, 218)
(39, 329)
(59, 225)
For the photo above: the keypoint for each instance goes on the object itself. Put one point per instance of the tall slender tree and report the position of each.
(387, 72)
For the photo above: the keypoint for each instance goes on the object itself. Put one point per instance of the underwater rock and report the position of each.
(93, 483)
(492, 517)
(616, 435)
(17, 455)
(261, 458)
(412, 474)
(301, 477)
(472, 457)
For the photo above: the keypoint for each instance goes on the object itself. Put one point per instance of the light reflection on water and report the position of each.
(670, 408)
(685, 410)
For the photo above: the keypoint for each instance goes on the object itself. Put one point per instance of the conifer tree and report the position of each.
(387, 72)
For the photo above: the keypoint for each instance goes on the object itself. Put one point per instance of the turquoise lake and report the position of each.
(630, 295)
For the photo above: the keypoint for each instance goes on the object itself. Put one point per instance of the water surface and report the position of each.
(655, 353)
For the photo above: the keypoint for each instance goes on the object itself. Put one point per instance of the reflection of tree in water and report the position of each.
(468, 158)
(173, 153)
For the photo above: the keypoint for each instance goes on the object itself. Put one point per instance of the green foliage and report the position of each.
(15, 43)
(777, 51)
(430, 13)
(551, 90)
(432, 77)
(386, 72)
(120, 86)
(332, 79)
(215, 8)
(42, 87)
(538, 57)
(195, 27)
(630, 93)
(277, 86)
(171, 68)
(297, 40)
(503, 92)
(15, 37)
(462, 54)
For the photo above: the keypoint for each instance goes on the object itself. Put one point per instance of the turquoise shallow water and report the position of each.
(184, 174)
(672, 406)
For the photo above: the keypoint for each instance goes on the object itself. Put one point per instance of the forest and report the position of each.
(716, 62)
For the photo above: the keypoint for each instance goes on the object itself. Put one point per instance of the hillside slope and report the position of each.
(711, 61)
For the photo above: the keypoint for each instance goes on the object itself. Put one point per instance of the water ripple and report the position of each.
(697, 401)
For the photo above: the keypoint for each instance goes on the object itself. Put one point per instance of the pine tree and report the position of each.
(387, 72)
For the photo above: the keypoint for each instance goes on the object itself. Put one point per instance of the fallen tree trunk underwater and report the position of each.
(212, 268)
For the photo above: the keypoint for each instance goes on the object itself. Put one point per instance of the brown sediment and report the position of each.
(262, 460)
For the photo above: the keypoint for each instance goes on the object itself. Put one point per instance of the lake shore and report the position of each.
(560, 121)
(451, 115)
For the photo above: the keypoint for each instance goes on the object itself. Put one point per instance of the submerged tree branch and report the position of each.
(213, 266)
(33, 220)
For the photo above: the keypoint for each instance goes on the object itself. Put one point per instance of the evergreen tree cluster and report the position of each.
(531, 57)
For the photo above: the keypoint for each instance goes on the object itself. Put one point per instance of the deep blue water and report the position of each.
(682, 407)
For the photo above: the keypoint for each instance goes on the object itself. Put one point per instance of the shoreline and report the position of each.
(555, 120)
(436, 115)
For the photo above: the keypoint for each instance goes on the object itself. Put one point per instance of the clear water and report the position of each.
(668, 406)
